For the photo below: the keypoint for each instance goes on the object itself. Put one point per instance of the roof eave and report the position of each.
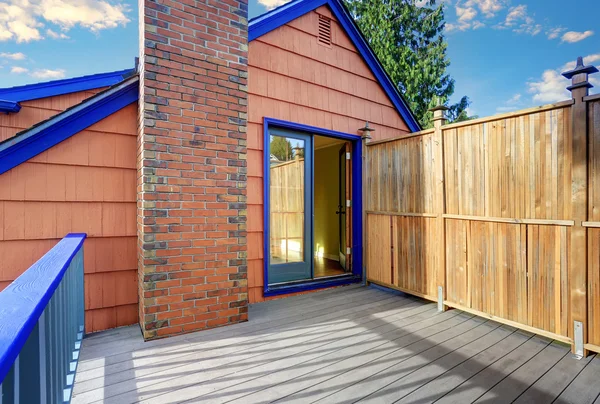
(64, 86)
(9, 106)
(39, 138)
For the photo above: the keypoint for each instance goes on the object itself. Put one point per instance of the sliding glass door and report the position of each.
(290, 206)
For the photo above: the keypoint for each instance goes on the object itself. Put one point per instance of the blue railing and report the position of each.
(41, 327)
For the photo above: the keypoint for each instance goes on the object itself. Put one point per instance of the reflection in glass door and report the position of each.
(290, 197)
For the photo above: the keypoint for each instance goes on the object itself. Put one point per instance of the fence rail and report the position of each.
(41, 327)
(498, 216)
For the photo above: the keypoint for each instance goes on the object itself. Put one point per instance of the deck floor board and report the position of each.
(340, 345)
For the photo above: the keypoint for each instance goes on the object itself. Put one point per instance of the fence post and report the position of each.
(579, 204)
(365, 137)
(439, 120)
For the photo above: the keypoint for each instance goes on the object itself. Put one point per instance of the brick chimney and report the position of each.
(191, 186)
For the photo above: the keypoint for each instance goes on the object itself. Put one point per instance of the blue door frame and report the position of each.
(357, 250)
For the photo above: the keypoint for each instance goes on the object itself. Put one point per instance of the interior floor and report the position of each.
(327, 267)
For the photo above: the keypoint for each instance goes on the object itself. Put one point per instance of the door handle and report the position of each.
(340, 211)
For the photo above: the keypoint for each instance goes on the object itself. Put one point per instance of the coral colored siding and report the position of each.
(35, 111)
(84, 184)
(292, 77)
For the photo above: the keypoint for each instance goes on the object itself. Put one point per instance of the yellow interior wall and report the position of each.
(326, 201)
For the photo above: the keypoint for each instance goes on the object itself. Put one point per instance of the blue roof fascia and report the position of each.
(272, 20)
(66, 86)
(31, 142)
(279, 16)
(9, 106)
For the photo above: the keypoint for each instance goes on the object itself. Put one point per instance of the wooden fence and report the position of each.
(498, 216)
(287, 210)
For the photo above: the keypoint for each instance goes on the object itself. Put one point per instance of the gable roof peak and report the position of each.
(281, 15)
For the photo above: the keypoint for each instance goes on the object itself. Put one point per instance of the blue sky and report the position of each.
(505, 54)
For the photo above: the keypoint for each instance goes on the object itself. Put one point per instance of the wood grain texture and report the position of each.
(379, 245)
(85, 184)
(506, 196)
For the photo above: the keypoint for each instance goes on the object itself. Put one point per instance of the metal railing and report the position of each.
(41, 327)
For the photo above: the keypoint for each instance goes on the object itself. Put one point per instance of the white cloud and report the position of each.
(554, 33)
(519, 21)
(270, 4)
(465, 13)
(478, 24)
(514, 99)
(515, 14)
(512, 104)
(56, 35)
(18, 70)
(488, 8)
(48, 74)
(574, 36)
(13, 56)
(23, 20)
(552, 86)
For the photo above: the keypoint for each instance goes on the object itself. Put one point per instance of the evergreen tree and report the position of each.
(409, 41)
(281, 148)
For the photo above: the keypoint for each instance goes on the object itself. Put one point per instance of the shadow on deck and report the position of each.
(343, 345)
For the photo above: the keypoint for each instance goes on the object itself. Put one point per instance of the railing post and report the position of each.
(439, 205)
(579, 204)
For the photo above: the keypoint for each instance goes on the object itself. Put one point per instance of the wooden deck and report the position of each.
(342, 345)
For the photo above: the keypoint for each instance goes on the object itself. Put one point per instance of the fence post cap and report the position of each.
(579, 69)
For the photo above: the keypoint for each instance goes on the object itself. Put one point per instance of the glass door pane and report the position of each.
(289, 207)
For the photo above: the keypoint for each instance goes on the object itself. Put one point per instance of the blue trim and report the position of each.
(22, 147)
(24, 300)
(59, 87)
(297, 271)
(266, 23)
(312, 285)
(357, 254)
(9, 106)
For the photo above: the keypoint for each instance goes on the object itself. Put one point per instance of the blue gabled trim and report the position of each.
(33, 141)
(9, 106)
(24, 300)
(357, 247)
(66, 86)
(282, 15)
(279, 16)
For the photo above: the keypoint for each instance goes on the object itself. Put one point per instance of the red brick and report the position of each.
(197, 167)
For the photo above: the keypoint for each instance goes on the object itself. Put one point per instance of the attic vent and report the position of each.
(324, 31)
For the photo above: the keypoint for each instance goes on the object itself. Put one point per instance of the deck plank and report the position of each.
(196, 383)
(487, 378)
(202, 356)
(284, 378)
(518, 381)
(335, 346)
(553, 383)
(449, 380)
(585, 389)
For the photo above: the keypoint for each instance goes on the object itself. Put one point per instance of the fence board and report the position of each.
(503, 200)
(489, 171)
(415, 256)
(379, 244)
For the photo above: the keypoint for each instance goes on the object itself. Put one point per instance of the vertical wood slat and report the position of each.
(379, 244)
(518, 167)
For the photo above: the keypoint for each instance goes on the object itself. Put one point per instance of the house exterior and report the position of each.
(167, 167)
